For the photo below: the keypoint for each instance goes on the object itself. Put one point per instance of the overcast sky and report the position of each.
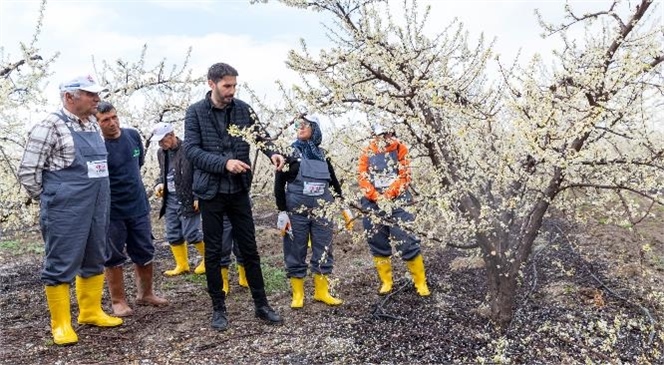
(253, 38)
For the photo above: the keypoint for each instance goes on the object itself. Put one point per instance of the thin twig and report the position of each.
(379, 311)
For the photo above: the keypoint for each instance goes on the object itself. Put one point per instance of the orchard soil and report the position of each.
(589, 295)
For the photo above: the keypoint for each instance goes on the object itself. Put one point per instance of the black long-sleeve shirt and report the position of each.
(283, 177)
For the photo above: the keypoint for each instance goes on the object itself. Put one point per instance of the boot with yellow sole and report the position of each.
(57, 297)
(200, 269)
(88, 293)
(416, 268)
(322, 291)
(384, 269)
(181, 257)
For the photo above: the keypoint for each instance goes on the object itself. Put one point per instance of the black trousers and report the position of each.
(237, 207)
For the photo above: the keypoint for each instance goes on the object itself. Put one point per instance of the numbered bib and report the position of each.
(97, 169)
(384, 181)
(313, 188)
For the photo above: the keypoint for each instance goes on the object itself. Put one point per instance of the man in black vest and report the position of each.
(222, 179)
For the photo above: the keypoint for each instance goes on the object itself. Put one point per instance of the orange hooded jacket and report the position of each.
(399, 185)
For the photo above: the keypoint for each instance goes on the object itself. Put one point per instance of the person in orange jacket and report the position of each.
(384, 177)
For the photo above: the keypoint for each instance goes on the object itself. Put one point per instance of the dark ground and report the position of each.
(581, 302)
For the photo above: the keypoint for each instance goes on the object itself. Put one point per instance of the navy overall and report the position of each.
(384, 169)
(74, 209)
(305, 193)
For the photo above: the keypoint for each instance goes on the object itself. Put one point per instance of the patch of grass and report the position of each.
(569, 289)
(17, 247)
(658, 262)
(624, 224)
(196, 279)
(9, 245)
(169, 285)
(275, 279)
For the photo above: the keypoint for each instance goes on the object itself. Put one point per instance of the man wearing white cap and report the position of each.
(180, 207)
(183, 221)
(64, 166)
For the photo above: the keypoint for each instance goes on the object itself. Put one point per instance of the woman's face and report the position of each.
(304, 130)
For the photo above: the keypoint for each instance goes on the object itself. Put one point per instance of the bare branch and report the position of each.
(15, 66)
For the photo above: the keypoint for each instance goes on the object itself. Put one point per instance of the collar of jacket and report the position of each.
(392, 145)
(208, 100)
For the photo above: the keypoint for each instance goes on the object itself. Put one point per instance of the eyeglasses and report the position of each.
(301, 124)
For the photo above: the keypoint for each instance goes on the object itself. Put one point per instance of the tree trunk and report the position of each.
(502, 292)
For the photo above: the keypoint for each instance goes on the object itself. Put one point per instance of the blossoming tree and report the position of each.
(492, 155)
(143, 93)
(21, 77)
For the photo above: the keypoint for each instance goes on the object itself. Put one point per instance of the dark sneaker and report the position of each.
(219, 321)
(269, 315)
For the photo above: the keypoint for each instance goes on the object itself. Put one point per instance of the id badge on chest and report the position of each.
(382, 182)
(313, 188)
(97, 169)
(170, 182)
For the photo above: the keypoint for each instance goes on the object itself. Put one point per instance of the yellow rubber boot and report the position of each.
(181, 257)
(297, 286)
(322, 291)
(384, 268)
(416, 268)
(57, 297)
(88, 293)
(200, 269)
(226, 287)
(242, 276)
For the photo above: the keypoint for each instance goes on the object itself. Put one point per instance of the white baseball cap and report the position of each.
(382, 128)
(160, 131)
(85, 83)
(311, 118)
(378, 129)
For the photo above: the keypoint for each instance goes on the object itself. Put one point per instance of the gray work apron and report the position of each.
(303, 194)
(383, 170)
(74, 212)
